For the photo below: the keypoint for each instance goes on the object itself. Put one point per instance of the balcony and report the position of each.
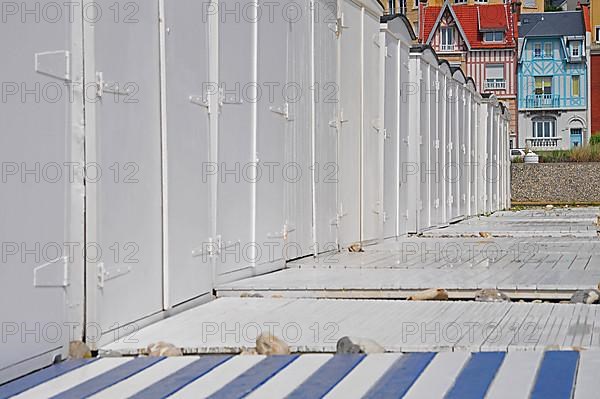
(543, 143)
(447, 47)
(495, 84)
(542, 101)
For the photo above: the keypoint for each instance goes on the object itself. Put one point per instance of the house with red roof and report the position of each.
(482, 40)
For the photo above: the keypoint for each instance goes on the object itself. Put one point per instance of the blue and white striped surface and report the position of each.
(463, 375)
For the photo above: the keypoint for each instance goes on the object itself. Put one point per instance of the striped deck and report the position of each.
(227, 325)
(514, 375)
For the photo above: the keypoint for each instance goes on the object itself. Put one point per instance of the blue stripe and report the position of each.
(326, 377)
(29, 381)
(253, 378)
(398, 379)
(182, 377)
(477, 375)
(108, 378)
(556, 375)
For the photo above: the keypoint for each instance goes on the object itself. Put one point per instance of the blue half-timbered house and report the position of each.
(553, 80)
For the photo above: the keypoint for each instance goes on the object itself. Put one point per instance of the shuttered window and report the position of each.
(543, 85)
(548, 50)
(575, 84)
(495, 71)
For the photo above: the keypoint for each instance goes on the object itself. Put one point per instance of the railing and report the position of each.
(542, 143)
(495, 84)
(543, 101)
(447, 47)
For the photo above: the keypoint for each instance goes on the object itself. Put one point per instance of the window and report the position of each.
(494, 77)
(460, 1)
(530, 3)
(544, 128)
(543, 85)
(493, 36)
(575, 49)
(537, 50)
(447, 39)
(597, 38)
(548, 50)
(575, 85)
(576, 135)
(481, 1)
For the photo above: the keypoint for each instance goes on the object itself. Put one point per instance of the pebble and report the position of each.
(268, 344)
(346, 345)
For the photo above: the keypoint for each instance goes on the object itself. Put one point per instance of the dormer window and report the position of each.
(494, 37)
(575, 49)
(447, 38)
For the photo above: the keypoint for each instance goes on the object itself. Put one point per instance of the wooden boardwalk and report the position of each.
(524, 266)
(227, 325)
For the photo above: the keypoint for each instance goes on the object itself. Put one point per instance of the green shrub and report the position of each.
(554, 156)
(595, 140)
(587, 153)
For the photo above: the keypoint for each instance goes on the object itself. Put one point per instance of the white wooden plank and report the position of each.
(72, 378)
(516, 376)
(288, 379)
(439, 376)
(218, 378)
(587, 384)
(145, 378)
(363, 377)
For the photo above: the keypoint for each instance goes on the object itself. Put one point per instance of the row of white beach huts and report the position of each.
(153, 150)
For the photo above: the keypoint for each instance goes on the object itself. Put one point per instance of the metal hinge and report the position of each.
(52, 274)
(339, 26)
(336, 221)
(103, 274)
(376, 40)
(283, 233)
(56, 64)
(198, 100)
(437, 203)
(224, 100)
(213, 247)
(109, 87)
(334, 123)
(283, 111)
(376, 124)
(436, 144)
